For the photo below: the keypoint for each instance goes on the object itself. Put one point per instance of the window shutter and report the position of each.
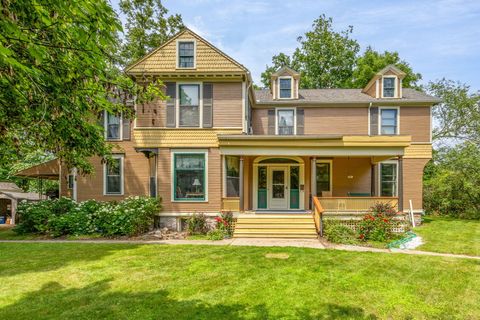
(101, 119)
(207, 105)
(126, 129)
(172, 93)
(374, 121)
(300, 121)
(271, 121)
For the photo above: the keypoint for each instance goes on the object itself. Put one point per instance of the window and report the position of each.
(232, 167)
(113, 170)
(186, 54)
(324, 175)
(70, 181)
(389, 87)
(113, 126)
(388, 121)
(189, 114)
(285, 88)
(189, 176)
(388, 179)
(285, 121)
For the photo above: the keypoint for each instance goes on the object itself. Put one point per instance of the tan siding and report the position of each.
(227, 104)
(415, 121)
(359, 168)
(335, 120)
(214, 185)
(136, 175)
(413, 182)
(260, 121)
(152, 114)
(372, 91)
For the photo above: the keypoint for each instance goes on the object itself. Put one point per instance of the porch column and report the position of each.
(400, 184)
(13, 210)
(313, 180)
(240, 186)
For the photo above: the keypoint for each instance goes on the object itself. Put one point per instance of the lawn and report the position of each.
(442, 234)
(120, 281)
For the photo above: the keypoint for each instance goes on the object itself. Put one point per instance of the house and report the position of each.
(10, 196)
(219, 144)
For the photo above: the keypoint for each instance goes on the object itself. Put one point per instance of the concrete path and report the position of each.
(257, 242)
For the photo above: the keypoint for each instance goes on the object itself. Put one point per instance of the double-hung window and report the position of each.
(113, 176)
(113, 125)
(189, 176)
(186, 54)
(389, 87)
(324, 177)
(388, 121)
(285, 86)
(232, 168)
(189, 108)
(388, 179)
(285, 121)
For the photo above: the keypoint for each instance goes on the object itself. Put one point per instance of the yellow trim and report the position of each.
(179, 138)
(419, 151)
(299, 141)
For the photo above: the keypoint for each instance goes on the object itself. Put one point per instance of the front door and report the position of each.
(278, 187)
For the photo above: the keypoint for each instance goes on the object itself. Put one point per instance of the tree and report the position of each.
(457, 118)
(57, 76)
(325, 58)
(147, 27)
(372, 61)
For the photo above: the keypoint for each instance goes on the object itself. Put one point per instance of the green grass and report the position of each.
(6, 233)
(449, 235)
(120, 281)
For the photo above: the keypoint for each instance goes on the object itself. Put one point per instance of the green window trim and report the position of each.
(203, 182)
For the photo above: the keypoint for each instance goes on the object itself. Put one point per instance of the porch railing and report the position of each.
(318, 216)
(354, 204)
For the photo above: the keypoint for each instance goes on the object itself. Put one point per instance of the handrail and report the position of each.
(318, 215)
(360, 197)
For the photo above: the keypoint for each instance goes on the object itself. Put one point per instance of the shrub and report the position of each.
(225, 223)
(216, 234)
(60, 217)
(197, 224)
(335, 232)
(377, 225)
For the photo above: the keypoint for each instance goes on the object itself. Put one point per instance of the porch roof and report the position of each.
(47, 170)
(314, 145)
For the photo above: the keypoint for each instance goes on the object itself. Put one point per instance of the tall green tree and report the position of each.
(325, 58)
(57, 76)
(371, 61)
(457, 118)
(148, 26)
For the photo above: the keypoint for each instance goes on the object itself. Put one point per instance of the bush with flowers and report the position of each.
(224, 226)
(377, 225)
(63, 216)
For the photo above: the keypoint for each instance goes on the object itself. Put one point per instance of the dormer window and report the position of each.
(285, 88)
(186, 54)
(389, 88)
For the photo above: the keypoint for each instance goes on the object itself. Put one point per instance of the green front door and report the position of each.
(262, 188)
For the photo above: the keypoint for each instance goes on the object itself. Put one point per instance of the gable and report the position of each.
(208, 59)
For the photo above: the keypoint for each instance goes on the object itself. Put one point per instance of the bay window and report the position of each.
(189, 108)
(189, 176)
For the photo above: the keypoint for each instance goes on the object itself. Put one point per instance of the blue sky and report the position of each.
(438, 38)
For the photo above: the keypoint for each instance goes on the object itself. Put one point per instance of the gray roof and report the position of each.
(9, 186)
(320, 96)
(32, 196)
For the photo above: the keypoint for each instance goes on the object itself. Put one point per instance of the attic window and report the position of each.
(186, 54)
(389, 87)
(285, 88)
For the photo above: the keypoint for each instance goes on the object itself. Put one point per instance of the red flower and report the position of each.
(218, 219)
(362, 236)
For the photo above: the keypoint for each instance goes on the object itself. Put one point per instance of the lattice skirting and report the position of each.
(352, 221)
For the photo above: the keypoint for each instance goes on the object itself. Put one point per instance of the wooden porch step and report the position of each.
(299, 226)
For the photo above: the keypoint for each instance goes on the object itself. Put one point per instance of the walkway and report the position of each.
(300, 243)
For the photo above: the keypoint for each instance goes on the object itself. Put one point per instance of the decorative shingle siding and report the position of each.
(180, 138)
(164, 59)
